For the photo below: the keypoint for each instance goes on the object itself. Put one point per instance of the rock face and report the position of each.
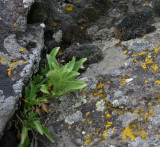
(121, 103)
(18, 60)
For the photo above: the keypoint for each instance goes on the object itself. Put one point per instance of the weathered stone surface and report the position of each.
(17, 61)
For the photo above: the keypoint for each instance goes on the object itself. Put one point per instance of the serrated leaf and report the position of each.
(44, 88)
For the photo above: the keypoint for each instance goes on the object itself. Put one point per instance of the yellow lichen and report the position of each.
(90, 122)
(143, 134)
(69, 127)
(142, 53)
(108, 115)
(15, 25)
(69, 8)
(156, 50)
(3, 60)
(123, 82)
(79, 130)
(135, 111)
(158, 135)
(146, 2)
(153, 67)
(122, 45)
(144, 37)
(83, 120)
(157, 82)
(84, 91)
(82, 28)
(125, 52)
(100, 86)
(23, 50)
(148, 60)
(127, 132)
(144, 66)
(146, 81)
(88, 140)
(88, 113)
(54, 23)
(9, 71)
(135, 61)
(13, 64)
(129, 44)
(134, 55)
(25, 62)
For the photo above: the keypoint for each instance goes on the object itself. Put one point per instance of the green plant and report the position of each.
(53, 81)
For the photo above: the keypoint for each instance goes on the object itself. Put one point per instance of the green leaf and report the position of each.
(53, 64)
(38, 126)
(78, 64)
(71, 86)
(70, 65)
(54, 51)
(24, 135)
(44, 88)
(48, 135)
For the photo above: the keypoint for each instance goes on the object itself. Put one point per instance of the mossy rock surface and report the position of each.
(135, 25)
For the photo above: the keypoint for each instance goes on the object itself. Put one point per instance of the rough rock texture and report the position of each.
(18, 60)
(120, 105)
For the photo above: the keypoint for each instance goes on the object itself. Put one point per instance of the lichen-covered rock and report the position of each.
(89, 51)
(135, 25)
(18, 61)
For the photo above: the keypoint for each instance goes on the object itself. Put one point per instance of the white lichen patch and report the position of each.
(100, 105)
(21, 23)
(12, 47)
(57, 36)
(27, 3)
(18, 87)
(74, 117)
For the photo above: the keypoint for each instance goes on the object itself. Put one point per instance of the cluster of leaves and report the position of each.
(53, 81)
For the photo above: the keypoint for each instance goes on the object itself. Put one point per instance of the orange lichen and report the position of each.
(88, 140)
(69, 8)
(153, 67)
